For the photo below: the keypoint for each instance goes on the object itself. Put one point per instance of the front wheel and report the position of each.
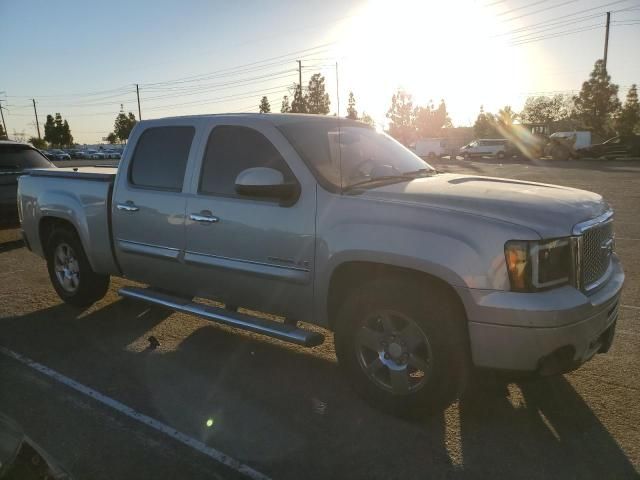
(403, 345)
(70, 272)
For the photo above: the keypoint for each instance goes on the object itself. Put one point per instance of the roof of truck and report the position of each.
(275, 118)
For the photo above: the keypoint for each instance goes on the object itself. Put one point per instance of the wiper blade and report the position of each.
(384, 178)
(422, 171)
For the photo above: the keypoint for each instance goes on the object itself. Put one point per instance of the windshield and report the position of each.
(350, 154)
(18, 157)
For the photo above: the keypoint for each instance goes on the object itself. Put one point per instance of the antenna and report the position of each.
(339, 135)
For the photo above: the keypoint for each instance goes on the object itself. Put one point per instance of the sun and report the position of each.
(434, 50)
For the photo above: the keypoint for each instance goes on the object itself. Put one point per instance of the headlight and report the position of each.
(538, 265)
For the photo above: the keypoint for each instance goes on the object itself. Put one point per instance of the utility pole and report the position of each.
(138, 95)
(6, 132)
(300, 74)
(337, 91)
(606, 41)
(36, 112)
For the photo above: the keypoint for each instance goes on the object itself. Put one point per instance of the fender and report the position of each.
(88, 213)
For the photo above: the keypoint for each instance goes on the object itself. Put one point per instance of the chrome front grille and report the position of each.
(596, 250)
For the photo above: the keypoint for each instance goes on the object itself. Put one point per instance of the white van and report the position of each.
(485, 147)
(431, 147)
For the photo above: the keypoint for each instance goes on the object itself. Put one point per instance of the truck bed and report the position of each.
(103, 174)
(80, 196)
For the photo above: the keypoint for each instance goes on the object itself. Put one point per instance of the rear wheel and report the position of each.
(403, 345)
(71, 275)
(559, 153)
(467, 156)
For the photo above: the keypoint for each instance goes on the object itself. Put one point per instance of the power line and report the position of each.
(506, 12)
(558, 34)
(256, 63)
(561, 18)
(227, 85)
(254, 93)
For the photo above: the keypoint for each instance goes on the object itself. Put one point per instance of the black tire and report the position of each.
(559, 154)
(90, 286)
(500, 155)
(467, 157)
(438, 316)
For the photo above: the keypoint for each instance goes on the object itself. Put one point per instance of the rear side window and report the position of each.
(160, 158)
(232, 149)
(18, 157)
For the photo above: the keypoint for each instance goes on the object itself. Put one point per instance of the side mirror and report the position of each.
(266, 182)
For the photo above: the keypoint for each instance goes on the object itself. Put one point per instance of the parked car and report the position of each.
(75, 153)
(485, 147)
(15, 159)
(111, 154)
(421, 275)
(93, 154)
(627, 146)
(56, 154)
(431, 147)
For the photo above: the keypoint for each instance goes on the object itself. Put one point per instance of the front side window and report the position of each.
(350, 154)
(160, 158)
(233, 149)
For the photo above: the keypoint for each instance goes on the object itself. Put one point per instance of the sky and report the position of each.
(83, 58)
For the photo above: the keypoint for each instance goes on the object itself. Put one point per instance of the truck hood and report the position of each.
(550, 210)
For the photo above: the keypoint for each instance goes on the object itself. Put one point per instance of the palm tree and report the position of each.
(506, 116)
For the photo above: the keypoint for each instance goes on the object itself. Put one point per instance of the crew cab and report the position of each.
(421, 275)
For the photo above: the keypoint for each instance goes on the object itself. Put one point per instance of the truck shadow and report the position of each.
(11, 245)
(289, 413)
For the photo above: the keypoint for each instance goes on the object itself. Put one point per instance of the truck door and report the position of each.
(149, 206)
(247, 251)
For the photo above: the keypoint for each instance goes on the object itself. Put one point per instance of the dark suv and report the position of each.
(15, 158)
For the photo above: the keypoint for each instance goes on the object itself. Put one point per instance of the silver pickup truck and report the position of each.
(421, 275)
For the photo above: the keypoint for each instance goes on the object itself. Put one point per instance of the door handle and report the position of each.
(127, 207)
(197, 217)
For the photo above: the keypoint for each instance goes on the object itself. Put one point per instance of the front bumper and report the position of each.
(546, 332)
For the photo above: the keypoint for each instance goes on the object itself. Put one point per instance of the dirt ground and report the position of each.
(285, 410)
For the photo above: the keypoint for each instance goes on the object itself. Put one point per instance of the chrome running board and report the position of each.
(282, 331)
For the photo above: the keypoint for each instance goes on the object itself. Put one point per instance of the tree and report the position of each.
(3, 135)
(429, 121)
(38, 143)
(285, 107)
(57, 131)
(265, 107)
(598, 101)
(352, 113)
(112, 138)
(628, 121)
(123, 125)
(50, 131)
(66, 138)
(400, 115)
(299, 103)
(484, 126)
(506, 116)
(317, 99)
(368, 119)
